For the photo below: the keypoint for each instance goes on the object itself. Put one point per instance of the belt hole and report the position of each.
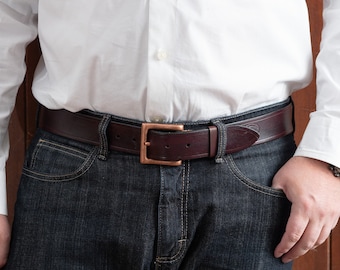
(167, 146)
(117, 137)
(187, 145)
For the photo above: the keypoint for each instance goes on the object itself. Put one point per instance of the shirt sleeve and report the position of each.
(321, 139)
(18, 27)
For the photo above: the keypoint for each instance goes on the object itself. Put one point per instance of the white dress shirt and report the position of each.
(171, 60)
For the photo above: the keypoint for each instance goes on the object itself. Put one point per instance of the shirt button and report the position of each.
(157, 119)
(162, 55)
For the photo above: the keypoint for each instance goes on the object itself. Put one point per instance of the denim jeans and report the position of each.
(77, 211)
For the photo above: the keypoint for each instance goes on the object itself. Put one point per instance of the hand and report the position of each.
(4, 239)
(315, 196)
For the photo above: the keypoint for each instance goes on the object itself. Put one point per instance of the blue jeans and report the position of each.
(76, 211)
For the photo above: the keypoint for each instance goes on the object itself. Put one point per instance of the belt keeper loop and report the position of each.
(221, 140)
(103, 140)
(213, 139)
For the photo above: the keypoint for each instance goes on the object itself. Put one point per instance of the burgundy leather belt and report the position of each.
(168, 144)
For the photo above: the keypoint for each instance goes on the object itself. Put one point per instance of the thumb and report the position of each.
(288, 172)
(278, 180)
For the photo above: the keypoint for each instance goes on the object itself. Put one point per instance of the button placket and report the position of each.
(160, 84)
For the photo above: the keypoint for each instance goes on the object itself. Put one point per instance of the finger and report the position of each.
(308, 241)
(335, 223)
(295, 228)
(325, 233)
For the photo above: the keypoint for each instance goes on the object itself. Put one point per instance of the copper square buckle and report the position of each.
(145, 144)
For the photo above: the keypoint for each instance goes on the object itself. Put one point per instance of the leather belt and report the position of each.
(168, 144)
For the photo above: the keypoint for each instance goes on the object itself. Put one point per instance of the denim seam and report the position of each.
(64, 151)
(69, 150)
(176, 257)
(185, 197)
(250, 183)
(160, 214)
(59, 147)
(184, 220)
(65, 177)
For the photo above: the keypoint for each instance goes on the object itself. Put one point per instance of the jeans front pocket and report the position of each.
(53, 158)
(256, 166)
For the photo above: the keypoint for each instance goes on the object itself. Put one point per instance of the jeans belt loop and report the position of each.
(221, 140)
(103, 140)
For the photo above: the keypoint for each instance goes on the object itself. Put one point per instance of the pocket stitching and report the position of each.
(54, 146)
(83, 168)
(249, 182)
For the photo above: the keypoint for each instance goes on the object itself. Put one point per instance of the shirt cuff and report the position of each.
(321, 140)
